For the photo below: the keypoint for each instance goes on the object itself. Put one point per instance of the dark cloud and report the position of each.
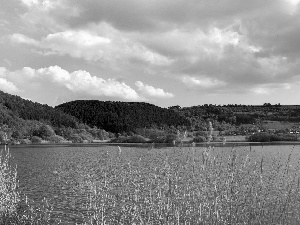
(143, 15)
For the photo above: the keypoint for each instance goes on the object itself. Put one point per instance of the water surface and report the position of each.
(57, 173)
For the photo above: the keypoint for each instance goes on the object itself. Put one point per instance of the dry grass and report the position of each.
(194, 187)
(9, 197)
(15, 209)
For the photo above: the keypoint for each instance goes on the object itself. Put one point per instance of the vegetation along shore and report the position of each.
(23, 122)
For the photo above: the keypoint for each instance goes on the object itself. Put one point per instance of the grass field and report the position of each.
(191, 185)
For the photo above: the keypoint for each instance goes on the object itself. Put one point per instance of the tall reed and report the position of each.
(14, 208)
(198, 187)
(9, 197)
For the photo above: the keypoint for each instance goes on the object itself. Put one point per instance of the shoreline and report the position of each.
(156, 145)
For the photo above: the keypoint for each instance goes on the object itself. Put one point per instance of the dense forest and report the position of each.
(118, 117)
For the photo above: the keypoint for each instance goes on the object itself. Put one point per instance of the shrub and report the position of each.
(44, 131)
(86, 136)
(25, 141)
(170, 138)
(136, 139)
(36, 139)
(131, 139)
(75, 138)
(266, 137)
(56, 139)
(200, 133)
(199, 139)
(158, 139)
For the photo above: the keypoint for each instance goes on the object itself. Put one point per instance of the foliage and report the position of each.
(75, 138)
(121, 117)
(170, 138)
(25, 141)
(199, 139)
(36, 140)
(267, 137)
(130, 139)
(44, 131)
(56, 139)
(14, 107)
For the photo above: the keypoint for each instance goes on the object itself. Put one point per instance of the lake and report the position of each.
(58, 173)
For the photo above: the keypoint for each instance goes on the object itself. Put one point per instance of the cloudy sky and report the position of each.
(165, 52)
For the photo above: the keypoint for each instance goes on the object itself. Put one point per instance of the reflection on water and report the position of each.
(58, 173)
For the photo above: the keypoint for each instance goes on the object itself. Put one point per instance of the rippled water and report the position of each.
(58, 172)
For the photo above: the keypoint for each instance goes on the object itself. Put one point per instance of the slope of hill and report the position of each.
(14, 108)
(122, 116)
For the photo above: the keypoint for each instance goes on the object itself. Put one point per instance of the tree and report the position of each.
(44, 131)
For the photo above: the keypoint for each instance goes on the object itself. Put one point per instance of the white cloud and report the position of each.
(79, 82)
(270, 88)
(151, 91)
(23, 39)
(78, 44)
(3, 72)
(292, 5)
(41, 4)
(7, 86)
(201, 82)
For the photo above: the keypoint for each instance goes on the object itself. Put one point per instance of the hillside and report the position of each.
(122, 116)
(14, 108)
(25, 121)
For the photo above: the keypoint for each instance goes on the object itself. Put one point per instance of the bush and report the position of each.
(131, 139)
(136, 139)
(86, 136)
(199, 139)
(200, 133)
(75, 138)
(44, 131)
(159, 139)
(36, 139)
(266, 137)
(25, 141)
(56, 139)
(170, 138)
(286, 137)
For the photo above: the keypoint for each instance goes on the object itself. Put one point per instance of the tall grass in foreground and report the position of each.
(197, 187)
(13, 208)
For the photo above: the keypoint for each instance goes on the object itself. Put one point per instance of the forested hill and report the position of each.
(122, 116)
(14, 109)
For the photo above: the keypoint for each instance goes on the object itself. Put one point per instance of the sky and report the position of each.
(164, 52)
